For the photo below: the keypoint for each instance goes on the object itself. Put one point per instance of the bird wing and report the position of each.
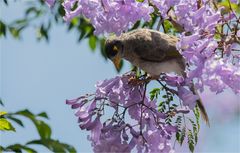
(153, 46)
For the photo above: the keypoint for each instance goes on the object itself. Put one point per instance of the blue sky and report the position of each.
(41, 76)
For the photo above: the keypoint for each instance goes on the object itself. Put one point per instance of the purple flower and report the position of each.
(235, 1)
(156, 142)
(222, 74)
(174, 80)
(50, 3)
(188, 98)
(238, 33)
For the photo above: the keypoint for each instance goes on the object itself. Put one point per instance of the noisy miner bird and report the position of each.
(152, 51)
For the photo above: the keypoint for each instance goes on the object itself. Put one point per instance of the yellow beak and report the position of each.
(117, 62)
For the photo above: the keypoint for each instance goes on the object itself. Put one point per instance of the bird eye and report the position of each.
(113, 51)
(115, 48)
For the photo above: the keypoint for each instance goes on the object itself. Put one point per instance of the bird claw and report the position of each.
(135, 81)
(141, 80)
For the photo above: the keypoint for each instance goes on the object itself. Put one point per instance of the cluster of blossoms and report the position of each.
(184, 92)
(108, 16)
(212, 61)
(136, 121)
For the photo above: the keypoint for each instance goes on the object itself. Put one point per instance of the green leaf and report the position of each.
(19, 122)
(43, 129)
(92, 42)
(135, 26)
(2, 149)
(82, 35)
(196, 112)
(190, 141)
(5, 125)
(43, 114)
(20, 148)
(34, 11)
(5, 1)
(15, 32)
(90, 32)
(178, 136)
(1, 102)
(61, 11)
(195, 130)
(25, 113)
(2, 113)
(21, 22)
(183, 134)
(2, 29)
(70, 148)
(164, 96)
(42, 33)
(54, 145)
(228, 6)
(154, 93)
(167, 25)
(74, 21)
(179, 121)
(102, 47)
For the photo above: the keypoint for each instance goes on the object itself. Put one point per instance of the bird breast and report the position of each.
(156, 68)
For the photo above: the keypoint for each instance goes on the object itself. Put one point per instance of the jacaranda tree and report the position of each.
(122, 115)
(209, 39)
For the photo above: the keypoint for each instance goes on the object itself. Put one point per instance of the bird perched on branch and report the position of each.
(152, 51)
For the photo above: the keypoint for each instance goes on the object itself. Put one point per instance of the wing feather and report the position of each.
(153, 45)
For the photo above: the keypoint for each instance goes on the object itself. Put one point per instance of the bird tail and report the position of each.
(200, 105)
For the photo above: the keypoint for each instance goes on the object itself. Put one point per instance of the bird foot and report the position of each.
(141, 80)
(135, 81)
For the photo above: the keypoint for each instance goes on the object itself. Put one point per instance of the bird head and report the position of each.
(114, 51)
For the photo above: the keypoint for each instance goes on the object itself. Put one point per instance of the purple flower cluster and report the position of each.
(187, 96)
(202, 50)
(109, 16)
(164, 6)
(136, 121)
(220, 74)
(199, 43)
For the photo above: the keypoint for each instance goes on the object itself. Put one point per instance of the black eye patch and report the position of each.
(112, 49)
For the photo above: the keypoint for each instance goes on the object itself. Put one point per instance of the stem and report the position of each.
(141, 117)
(166, 88)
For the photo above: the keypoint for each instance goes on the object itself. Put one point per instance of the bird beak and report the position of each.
(117, 62)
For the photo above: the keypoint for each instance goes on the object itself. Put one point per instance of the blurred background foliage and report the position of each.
(44, 131)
